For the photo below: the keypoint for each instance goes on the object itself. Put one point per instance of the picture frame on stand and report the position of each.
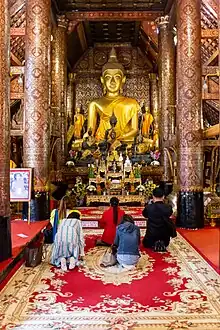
(20, 184)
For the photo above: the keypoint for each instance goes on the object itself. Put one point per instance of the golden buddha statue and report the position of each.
(113, 156)
(147, 122)
(125, 109)
(156, 138)
(78, 121)
(76, 128)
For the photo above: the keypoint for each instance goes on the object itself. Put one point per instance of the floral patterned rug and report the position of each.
(166, 291)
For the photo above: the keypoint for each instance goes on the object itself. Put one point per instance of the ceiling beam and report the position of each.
(209, 33)
(169, 5)
(172, 16)
(82, 37)
(72, 26)
(113, 15)
(18, 5)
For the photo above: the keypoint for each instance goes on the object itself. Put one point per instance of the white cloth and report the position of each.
(69, 241)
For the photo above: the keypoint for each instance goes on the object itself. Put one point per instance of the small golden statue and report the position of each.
(156, 138)
(78, 123)
(147, 122)
(125, 109)
(75, 130)
(113, 156)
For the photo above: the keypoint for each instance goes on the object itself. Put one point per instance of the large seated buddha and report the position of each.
(125, 109)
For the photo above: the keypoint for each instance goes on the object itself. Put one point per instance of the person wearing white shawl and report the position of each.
(68, 246)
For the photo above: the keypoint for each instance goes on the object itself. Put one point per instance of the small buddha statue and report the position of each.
(75, 130)
(156, 138)
(147, 122)
(78, 123)
(89, 142)
(125, 109)
(113, 156)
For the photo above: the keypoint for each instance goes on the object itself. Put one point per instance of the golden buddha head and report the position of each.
(78, 110)
(113, 77)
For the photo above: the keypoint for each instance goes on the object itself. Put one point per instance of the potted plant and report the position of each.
(79, 191)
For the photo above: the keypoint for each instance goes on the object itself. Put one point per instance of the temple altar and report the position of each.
(129, 199)
(114, 123)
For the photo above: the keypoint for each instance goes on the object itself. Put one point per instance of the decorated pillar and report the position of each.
(189, 132)
(59, 87)
(70, 99)
(36, 140)
(167, 87)
(154, 101)
(5, 228)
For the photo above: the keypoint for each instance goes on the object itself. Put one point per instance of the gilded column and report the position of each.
(154, 102)
(59, 86)
(189, 132)
(167, 87)
(5, 229)
(70, 99)
(36, 140)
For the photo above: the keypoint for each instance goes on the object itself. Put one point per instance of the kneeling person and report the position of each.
(126, 242)
(69, 242)
(159, 226)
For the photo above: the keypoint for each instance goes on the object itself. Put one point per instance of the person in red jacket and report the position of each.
(109, 221)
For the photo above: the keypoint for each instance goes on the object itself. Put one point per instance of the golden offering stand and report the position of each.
(117, 179)
(213, 215)
(122, 199)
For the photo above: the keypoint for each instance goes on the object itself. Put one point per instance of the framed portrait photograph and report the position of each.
(20, 184)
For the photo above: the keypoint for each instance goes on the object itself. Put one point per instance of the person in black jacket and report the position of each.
(159, 226)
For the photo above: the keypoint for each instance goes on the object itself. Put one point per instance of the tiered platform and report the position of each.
(128, 199)
(30, 231)
(92, 215)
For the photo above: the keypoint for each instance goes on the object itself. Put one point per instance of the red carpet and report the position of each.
(18, 243)
(172, 290)
(142, 291)
(207, 242)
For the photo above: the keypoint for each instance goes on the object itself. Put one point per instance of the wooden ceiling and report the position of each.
(112, 32)
(111, 5)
